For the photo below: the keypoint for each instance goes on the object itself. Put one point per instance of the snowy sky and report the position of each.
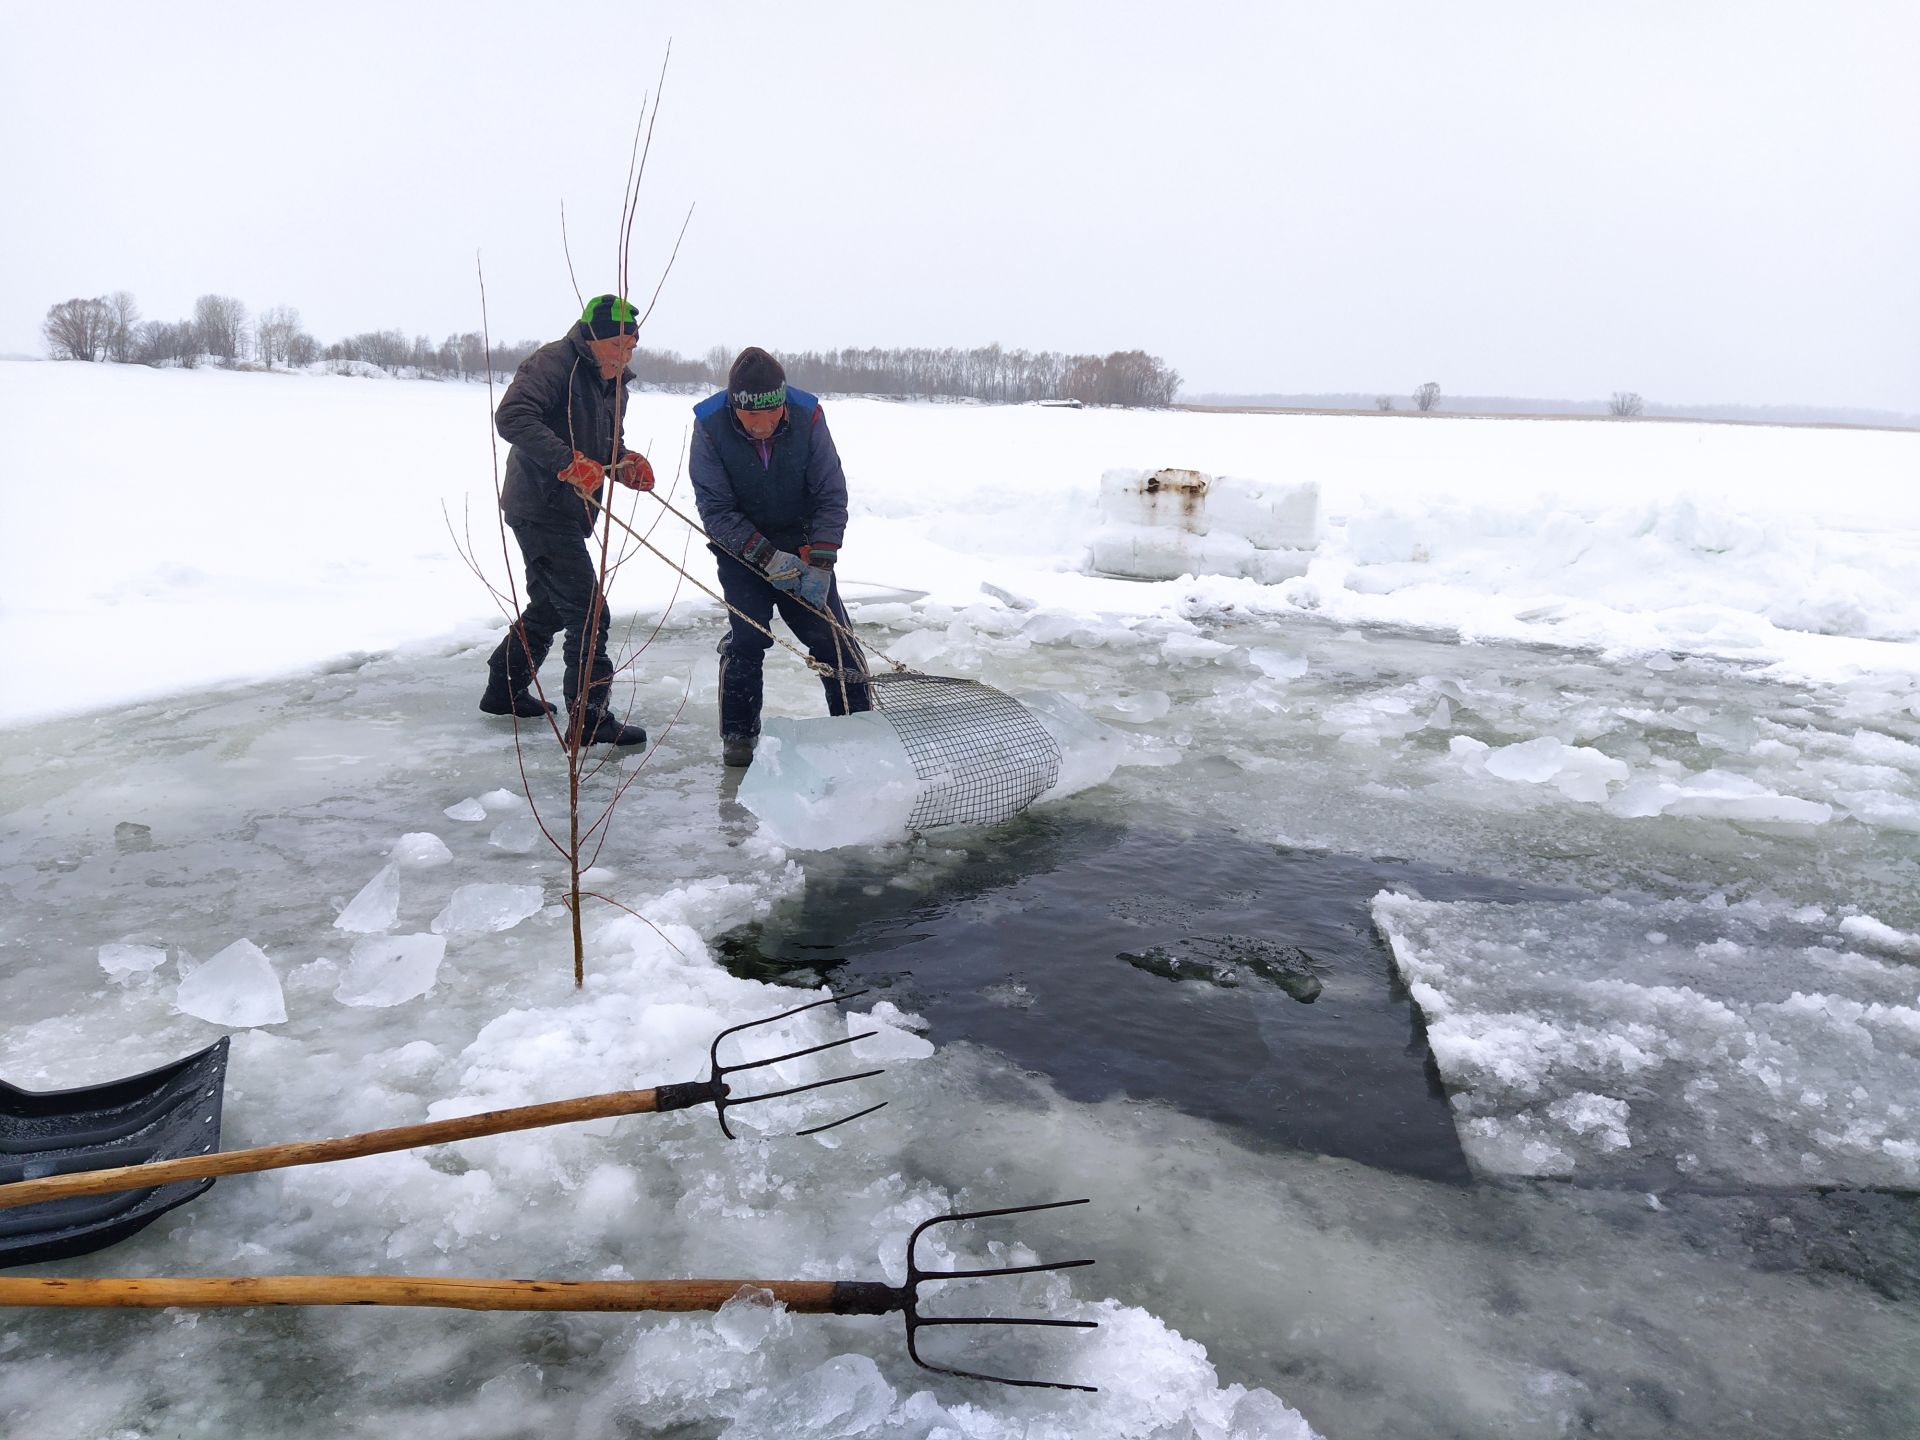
(1715, 201)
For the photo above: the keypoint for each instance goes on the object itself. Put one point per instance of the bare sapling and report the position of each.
(595, 783)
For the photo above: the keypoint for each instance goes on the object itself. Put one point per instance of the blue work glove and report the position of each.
(816, 584)
(784, 571)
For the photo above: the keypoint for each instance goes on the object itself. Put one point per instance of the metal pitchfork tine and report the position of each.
(715, 1087)
(52, 1184)
(916, 1277)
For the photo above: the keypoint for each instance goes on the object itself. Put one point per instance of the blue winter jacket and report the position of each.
(789, 490)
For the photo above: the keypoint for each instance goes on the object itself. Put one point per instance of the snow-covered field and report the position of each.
(245, 655)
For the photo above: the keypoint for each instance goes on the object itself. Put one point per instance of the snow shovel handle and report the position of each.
(813, 1297)
(349, 1147)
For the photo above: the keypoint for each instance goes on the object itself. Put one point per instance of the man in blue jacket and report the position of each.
(563, 415)
(773, 500)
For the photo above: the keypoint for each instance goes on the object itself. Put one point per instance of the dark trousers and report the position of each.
(744, 651)
(563, 590)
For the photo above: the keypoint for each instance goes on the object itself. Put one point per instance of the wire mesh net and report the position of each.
(980, 754)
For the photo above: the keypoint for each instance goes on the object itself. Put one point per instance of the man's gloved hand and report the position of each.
(633, 471)
(784, 571)
(584, 474)
(816, 584)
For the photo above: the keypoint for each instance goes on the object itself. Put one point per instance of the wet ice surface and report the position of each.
(1372, 1301)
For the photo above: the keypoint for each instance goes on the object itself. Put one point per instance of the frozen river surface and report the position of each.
(1454, 1040)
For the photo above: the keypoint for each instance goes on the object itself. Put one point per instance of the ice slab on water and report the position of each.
(125, 961)
(1675, 1040)
(387, 969)
(420, 850)
(486, 907)
(827, 781)
(517, 835)
(376, 906)
(499, 801)
(237, 987)
(467, 809)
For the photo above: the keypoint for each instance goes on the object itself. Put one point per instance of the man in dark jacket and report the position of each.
(773, 500)
(563, 415)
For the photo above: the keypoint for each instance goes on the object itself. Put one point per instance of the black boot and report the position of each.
(498, 700)
(510, 680)
(736, 751)
(603, 727)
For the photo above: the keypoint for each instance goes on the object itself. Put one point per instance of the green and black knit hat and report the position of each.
(607, 316)
(756, 382)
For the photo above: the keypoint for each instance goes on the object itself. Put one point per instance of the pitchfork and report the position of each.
(714, 1089)
(812, 1297)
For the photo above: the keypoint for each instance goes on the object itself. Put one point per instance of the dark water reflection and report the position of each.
(1239, 981)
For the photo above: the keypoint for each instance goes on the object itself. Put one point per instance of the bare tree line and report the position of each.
(109, 327)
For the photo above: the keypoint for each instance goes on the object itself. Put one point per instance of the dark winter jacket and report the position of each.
(790, 490)
(557, 404)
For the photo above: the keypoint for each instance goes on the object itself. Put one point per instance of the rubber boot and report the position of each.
(509, 679)
(603, 727)
(736, 751)
(498, 700)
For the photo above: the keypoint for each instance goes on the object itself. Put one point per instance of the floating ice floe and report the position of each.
(469, 809)
(486, 907)
(517, 835)
(1666, 1041)
(237, 987)
(420, 850)
(376, 906)
(127, 960)
(387, 969)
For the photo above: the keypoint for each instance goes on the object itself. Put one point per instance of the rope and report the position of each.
(832, 619)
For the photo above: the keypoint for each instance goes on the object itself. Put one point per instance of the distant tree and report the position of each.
(302, 349)
(123, 326)
(274, 333)
(162, 343)
(78, 329)
(222, 323)
(1426, 397)
(1383, 402)
(1625, 402)
(719, 360)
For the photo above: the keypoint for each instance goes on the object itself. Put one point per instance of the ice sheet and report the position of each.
(1672, 1041)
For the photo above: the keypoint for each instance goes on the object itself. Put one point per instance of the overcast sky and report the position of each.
(1700, 201)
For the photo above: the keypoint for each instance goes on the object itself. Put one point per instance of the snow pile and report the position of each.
(1741, 1043)
(1162, 524)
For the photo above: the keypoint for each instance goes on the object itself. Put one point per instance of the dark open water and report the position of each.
(1238, 981)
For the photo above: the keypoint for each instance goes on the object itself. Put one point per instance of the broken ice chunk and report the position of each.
(375, 907)
(387, 969)
(468, 809)
(237, 987)
(517, 836)
(479, 908)
(420, 850)
(125, 961)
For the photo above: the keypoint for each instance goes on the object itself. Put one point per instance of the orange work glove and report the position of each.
(584, 474)
(633, 471)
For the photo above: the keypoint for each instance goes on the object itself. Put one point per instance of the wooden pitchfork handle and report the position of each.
(350, 1147)
(813, 1297)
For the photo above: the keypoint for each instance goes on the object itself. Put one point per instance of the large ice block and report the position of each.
(1161, 524)
(826, 781)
